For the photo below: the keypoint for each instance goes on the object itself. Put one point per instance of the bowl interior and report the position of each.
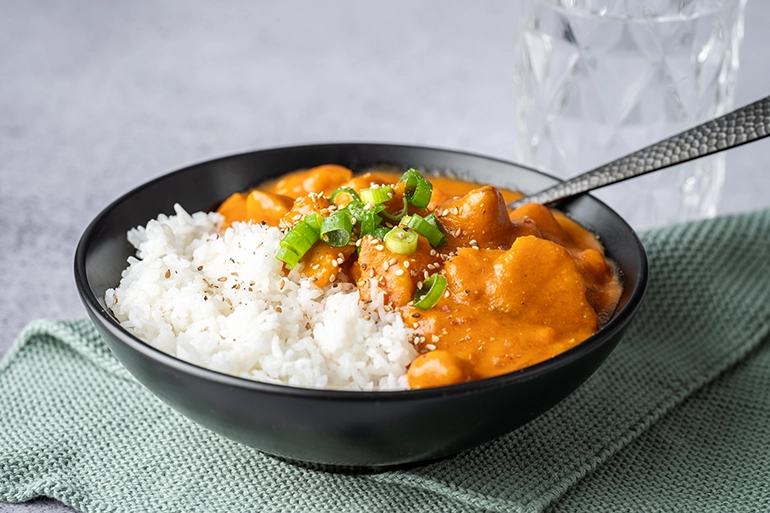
(372, 429)
(204, 186)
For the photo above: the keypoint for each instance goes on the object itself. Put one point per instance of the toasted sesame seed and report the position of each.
(222, 278)
(278, 309)
(168, 273)
(200, 267)
(367, 317)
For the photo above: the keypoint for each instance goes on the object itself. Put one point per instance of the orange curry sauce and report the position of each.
(522, 285)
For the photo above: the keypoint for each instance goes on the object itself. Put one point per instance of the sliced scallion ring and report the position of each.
(300, 238)
(296, 242)
(377, 195)
(347, 190)
(430, 293)
(380, 232)
(417, 190)
(434, 234)
(288, 257)
(431, 220)
(397, 216)
(401, 241)
(336, 229)
(314, 221)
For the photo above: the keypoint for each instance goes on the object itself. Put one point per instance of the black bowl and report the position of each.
(344, 429)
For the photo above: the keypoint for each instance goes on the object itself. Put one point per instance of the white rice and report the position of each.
(222, 302)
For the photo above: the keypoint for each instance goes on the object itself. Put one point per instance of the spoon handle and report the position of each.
(735, 128)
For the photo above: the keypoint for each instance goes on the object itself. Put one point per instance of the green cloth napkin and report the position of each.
(677, 419)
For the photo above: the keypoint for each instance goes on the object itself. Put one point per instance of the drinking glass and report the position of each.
(597, 79)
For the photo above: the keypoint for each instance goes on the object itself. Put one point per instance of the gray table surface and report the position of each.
(99, 97)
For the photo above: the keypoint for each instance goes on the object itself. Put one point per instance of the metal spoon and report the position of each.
(738, 127)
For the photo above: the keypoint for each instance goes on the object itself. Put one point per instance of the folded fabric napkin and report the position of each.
(677, 419)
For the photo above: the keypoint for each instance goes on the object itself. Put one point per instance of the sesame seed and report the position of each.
(278, 309)
(200, 267)
(406, 264)
(223, 278)
(168, 273)
(432, 347)
(434, 338)
(316, 266)
(334, 263)
(379, 247)
(399, 272)
(386, 266)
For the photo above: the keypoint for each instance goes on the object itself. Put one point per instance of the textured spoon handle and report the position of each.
(738, 127)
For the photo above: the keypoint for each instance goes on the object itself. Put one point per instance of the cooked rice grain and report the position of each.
(222, 302)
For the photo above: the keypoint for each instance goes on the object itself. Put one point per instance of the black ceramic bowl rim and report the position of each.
(616, 323)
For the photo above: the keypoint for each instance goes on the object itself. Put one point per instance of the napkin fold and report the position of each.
(677, 419)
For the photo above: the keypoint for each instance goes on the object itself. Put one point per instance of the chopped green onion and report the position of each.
(300, 238)
(401, 241)
(377, 195)
(367, 216)
(296, 243)
(369, 221)
(431, 220)
(397, 216)
(418, 190)
(346, 190)
(432, 290)
(421, 225)
(380, 232)
(288, 257)
(336, 229)
(314, 221)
